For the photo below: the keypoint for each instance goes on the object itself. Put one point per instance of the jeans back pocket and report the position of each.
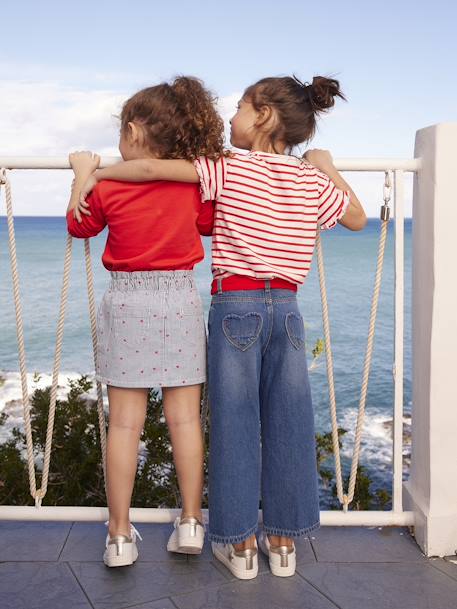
(242, 331)
(295, 329)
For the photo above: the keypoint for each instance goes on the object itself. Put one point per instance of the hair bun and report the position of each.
(322, 93)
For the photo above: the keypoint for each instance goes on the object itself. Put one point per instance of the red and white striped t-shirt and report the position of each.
(268, 208)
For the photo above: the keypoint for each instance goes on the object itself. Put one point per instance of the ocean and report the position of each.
(350, 264)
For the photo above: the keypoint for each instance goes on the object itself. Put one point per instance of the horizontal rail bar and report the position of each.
(156, 515)
(61, 162)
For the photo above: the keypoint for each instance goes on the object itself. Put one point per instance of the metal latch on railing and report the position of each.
(385, 209)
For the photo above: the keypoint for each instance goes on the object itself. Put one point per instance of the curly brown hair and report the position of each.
(179, 120)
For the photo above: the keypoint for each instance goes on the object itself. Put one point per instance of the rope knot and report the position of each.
(345, 503)
(3, 178)
(39, 498)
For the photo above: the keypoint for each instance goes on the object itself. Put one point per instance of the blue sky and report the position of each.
(66, 67)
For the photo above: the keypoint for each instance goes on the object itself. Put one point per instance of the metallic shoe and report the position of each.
(242, 563)
(282, 559)
(188, 536)
(121, 550)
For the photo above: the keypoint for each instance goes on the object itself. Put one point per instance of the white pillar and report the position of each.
(431, 491)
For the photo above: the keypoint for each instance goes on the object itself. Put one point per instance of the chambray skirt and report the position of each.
(151, 330)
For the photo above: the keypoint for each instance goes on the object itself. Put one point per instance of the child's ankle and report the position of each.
(244, 545)
(279, 540)
(118, 528)
(192, 514)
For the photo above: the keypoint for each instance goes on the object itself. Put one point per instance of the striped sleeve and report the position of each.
(212, 177)
(333, 202)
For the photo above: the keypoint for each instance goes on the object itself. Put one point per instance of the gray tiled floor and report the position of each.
(58, 565)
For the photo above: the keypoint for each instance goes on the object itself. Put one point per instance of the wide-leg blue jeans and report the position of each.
(262, 442)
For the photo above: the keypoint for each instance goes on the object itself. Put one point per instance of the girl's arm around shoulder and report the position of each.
(146, 170)
(138, 170)
(210, 174)
(354, 217)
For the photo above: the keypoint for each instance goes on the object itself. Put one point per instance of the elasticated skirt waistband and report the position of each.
(152, 280)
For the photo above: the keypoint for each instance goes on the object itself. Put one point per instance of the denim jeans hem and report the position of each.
(289, 532)
(232, 538)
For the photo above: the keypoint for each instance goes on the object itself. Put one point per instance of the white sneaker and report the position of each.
(243, 564)
(283, 559)
(121, 550)
(188, 536)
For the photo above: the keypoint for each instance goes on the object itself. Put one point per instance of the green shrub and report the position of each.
(76, 473)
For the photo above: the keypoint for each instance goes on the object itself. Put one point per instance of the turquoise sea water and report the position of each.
(350, 259)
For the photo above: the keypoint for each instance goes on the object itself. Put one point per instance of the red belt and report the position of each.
(240, 282)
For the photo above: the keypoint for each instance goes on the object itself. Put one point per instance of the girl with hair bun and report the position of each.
(269, 206)
(150, 324)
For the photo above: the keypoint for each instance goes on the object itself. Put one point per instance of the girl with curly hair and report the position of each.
(150, 324)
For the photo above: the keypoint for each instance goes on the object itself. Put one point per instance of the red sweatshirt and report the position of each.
(151, 225)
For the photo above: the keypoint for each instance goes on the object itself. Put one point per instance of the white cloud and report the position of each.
(51, 118)
(227, 108)
(47, 118)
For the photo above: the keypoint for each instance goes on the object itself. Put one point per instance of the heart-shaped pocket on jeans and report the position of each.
(242, 331)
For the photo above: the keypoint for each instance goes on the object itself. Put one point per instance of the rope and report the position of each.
(37, 494)
(55, 373)
(346, 498)
(4, 181)
(93, 331)
(329, 358)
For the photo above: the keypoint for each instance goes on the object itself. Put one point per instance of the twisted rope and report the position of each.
(93, 331)
(55, 373)
(37, 494)
(4, 181)
(346, 498)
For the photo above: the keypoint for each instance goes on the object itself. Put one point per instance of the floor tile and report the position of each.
(264, 592)
(165, 603)
(365, 544)
(446, 566)
(142, 582)
(410, 585)
(40, 585)
(32, 541)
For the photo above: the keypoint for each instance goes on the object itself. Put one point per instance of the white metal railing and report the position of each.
(395, 517)
(61, 162)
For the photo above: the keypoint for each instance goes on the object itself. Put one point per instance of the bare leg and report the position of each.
(181, 407)
(127, 413)
(277, 540)
(247, 543)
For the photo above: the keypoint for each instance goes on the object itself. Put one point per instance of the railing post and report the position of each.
(431, 491)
